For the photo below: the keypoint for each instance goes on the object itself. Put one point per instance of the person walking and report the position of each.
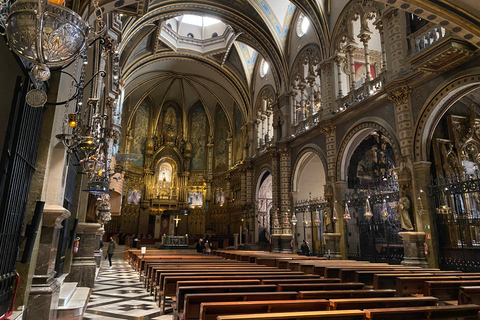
(111, 250)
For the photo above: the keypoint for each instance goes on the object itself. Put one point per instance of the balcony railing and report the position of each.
(367, 89)
(427, 37)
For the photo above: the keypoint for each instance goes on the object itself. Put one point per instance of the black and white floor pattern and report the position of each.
(118, 294)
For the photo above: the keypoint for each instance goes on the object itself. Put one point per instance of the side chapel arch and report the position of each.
(355, 136)
(436, 106)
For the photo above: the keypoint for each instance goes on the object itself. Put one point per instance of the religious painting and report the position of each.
(219, 197)
(140, 132)
(361, 74)
(237, 139)
(222, 132)
(170, 122)
(198, 137)
(134, 196)
(195, 199)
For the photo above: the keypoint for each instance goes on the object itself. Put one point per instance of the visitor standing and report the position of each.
(111, 250)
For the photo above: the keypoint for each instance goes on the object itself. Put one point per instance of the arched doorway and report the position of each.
(372, 223)
(263, 204)
(453, 148)
(309, 181)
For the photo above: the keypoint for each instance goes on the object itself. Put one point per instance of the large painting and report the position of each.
(140, 133)
(221, 134)
(198, 135)
(195, 199)
(134, 196)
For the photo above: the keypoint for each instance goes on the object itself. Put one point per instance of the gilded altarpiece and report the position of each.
(456, 192)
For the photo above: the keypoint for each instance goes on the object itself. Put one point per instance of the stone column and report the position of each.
(276, 217)
(83, 265)
(285, 203)
(413, 239)
(396, 44)
(98, 253)
(328, 88)
(341, 226)
(379, 26)
(425, 219)
(45, 289)
(350, 49)
(339, 58)
(365, 36)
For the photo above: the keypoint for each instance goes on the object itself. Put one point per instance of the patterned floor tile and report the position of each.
(120, 295)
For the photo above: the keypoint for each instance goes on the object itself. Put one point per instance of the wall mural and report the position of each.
(222, 132)
(237, 139)
(198, 134)
(140, 132)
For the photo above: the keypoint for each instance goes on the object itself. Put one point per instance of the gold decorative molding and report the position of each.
(328, 130)
(399, 95)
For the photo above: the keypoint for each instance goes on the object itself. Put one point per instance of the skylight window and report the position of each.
(197, 20)
(302, 25)
(263, 68)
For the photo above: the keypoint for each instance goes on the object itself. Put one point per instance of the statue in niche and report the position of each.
(327, 219)
(403, 209)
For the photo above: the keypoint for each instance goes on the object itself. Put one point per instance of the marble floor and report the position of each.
(118, 294)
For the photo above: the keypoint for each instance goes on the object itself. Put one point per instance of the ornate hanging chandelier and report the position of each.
(46, 33)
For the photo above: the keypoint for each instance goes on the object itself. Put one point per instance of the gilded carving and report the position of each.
(399, 95)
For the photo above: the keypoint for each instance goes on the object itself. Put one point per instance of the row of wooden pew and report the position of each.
(259, 285)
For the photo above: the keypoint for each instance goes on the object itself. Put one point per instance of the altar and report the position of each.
(174, 241)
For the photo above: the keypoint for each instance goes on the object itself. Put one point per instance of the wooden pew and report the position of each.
(447, 290)
(180, 298)
(368, 303)
(340, 314)
(211, 310)
(344, 294)
(149, 265)
(304, 280)
(150, 272)
(169, 281)
(191, 308)
(389, 280)
(469, 294)
(182, 291)
(155, 279)
(320, 286)
(465, 312)
(415, 285)
(348, 274)
(334, 270)
(139, 266)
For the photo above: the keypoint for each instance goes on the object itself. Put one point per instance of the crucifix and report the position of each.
(176, 220)
(176, 224)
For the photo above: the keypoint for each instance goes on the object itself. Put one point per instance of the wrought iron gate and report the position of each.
(457, 206)
(373, 236)
(17, 167)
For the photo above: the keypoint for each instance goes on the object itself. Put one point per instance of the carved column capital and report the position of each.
(328, 130)
(399, 95)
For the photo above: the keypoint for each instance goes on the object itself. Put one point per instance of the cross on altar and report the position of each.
(176, 220)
